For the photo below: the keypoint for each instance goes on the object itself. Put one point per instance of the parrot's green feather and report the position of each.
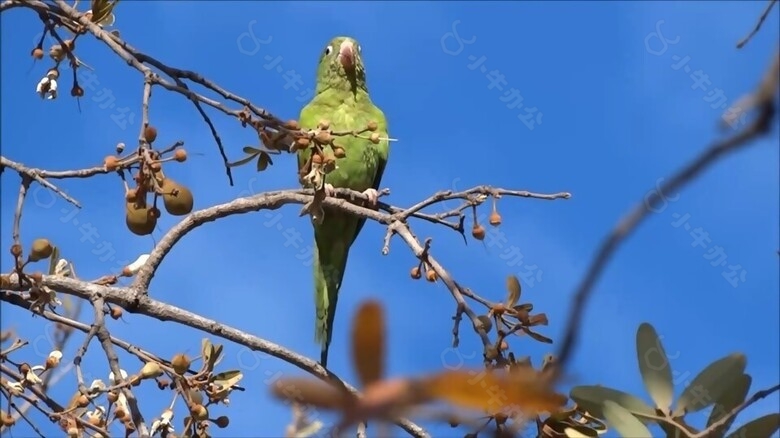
(342, 99)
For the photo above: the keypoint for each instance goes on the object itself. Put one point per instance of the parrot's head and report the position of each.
(341, 66)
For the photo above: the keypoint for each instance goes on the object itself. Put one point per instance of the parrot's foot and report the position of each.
(329, 189)
(373, 196)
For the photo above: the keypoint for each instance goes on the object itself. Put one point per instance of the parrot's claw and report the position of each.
(329, 189)
(373, 196)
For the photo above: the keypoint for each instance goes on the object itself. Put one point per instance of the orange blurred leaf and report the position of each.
(523, 389)
(368, 333)
(312, 392)
(513, 291)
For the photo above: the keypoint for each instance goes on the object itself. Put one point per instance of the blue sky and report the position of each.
(616, 118)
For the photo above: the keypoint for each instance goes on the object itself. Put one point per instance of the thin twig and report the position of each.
(763, 101)
(760, 22)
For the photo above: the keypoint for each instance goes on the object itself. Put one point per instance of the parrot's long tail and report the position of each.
(328, 272)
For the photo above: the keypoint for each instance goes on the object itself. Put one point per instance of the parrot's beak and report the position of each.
(347, 55)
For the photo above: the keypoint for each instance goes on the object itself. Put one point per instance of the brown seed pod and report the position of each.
(177, 198)
(8, 420)
(323, 137)
(324, 124)
(77, 91)
(339, 152)
(292, 125)
(111, 163)
(112, 396)
(222, 421)
(180, 155)
(200, 413)
(316, 159)
(372, 126)
(301, 143)
(37, 53)
(16, 250)
(70, 45)
(138, 219)
(495, 219)
(180, 363)
(430, 275)
(478, 231)
(41, 249)
(56, 53)
(116, 312)
(374, 138)
(150, 134)
(415, 273)
(82, 401)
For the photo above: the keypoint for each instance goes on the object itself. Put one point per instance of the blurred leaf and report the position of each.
(242, 161)
(228, 378)
(710, 384)
(523, 388)
(730, 399)
(53, 259)
(513, 291)
(526, 307)
(102, 11)
(654, 366)
(591, 398)
(249, 150)
(311, 392)
(263, 161)
(580, 432)
(624, 421)
(538, 337)
(762, 427)
(368, 342)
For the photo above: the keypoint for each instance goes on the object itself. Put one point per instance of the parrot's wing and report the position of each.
(384, 149)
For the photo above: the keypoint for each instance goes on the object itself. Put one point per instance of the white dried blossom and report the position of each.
(97, 385)
(98, 413)
(32, 378)
(47, 88)
(63, 268)
(133, 268)
(15, 388)
(163, 423)
(54, 359)
(116, 381)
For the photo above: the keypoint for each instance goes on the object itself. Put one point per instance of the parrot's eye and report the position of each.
(328, 50)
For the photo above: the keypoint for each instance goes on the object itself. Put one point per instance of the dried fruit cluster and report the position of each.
(324, 151)
(141, 215)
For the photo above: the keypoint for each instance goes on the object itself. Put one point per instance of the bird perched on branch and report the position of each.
(341, 98)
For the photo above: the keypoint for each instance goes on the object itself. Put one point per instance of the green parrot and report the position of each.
(341, 98)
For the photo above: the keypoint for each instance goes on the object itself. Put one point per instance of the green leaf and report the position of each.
(263, 161)
(710, 384)
(580, 432)
(733, 397)
(249, 150)
(624, 421)
(762, 427)
(654, 366)
(592, 397)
